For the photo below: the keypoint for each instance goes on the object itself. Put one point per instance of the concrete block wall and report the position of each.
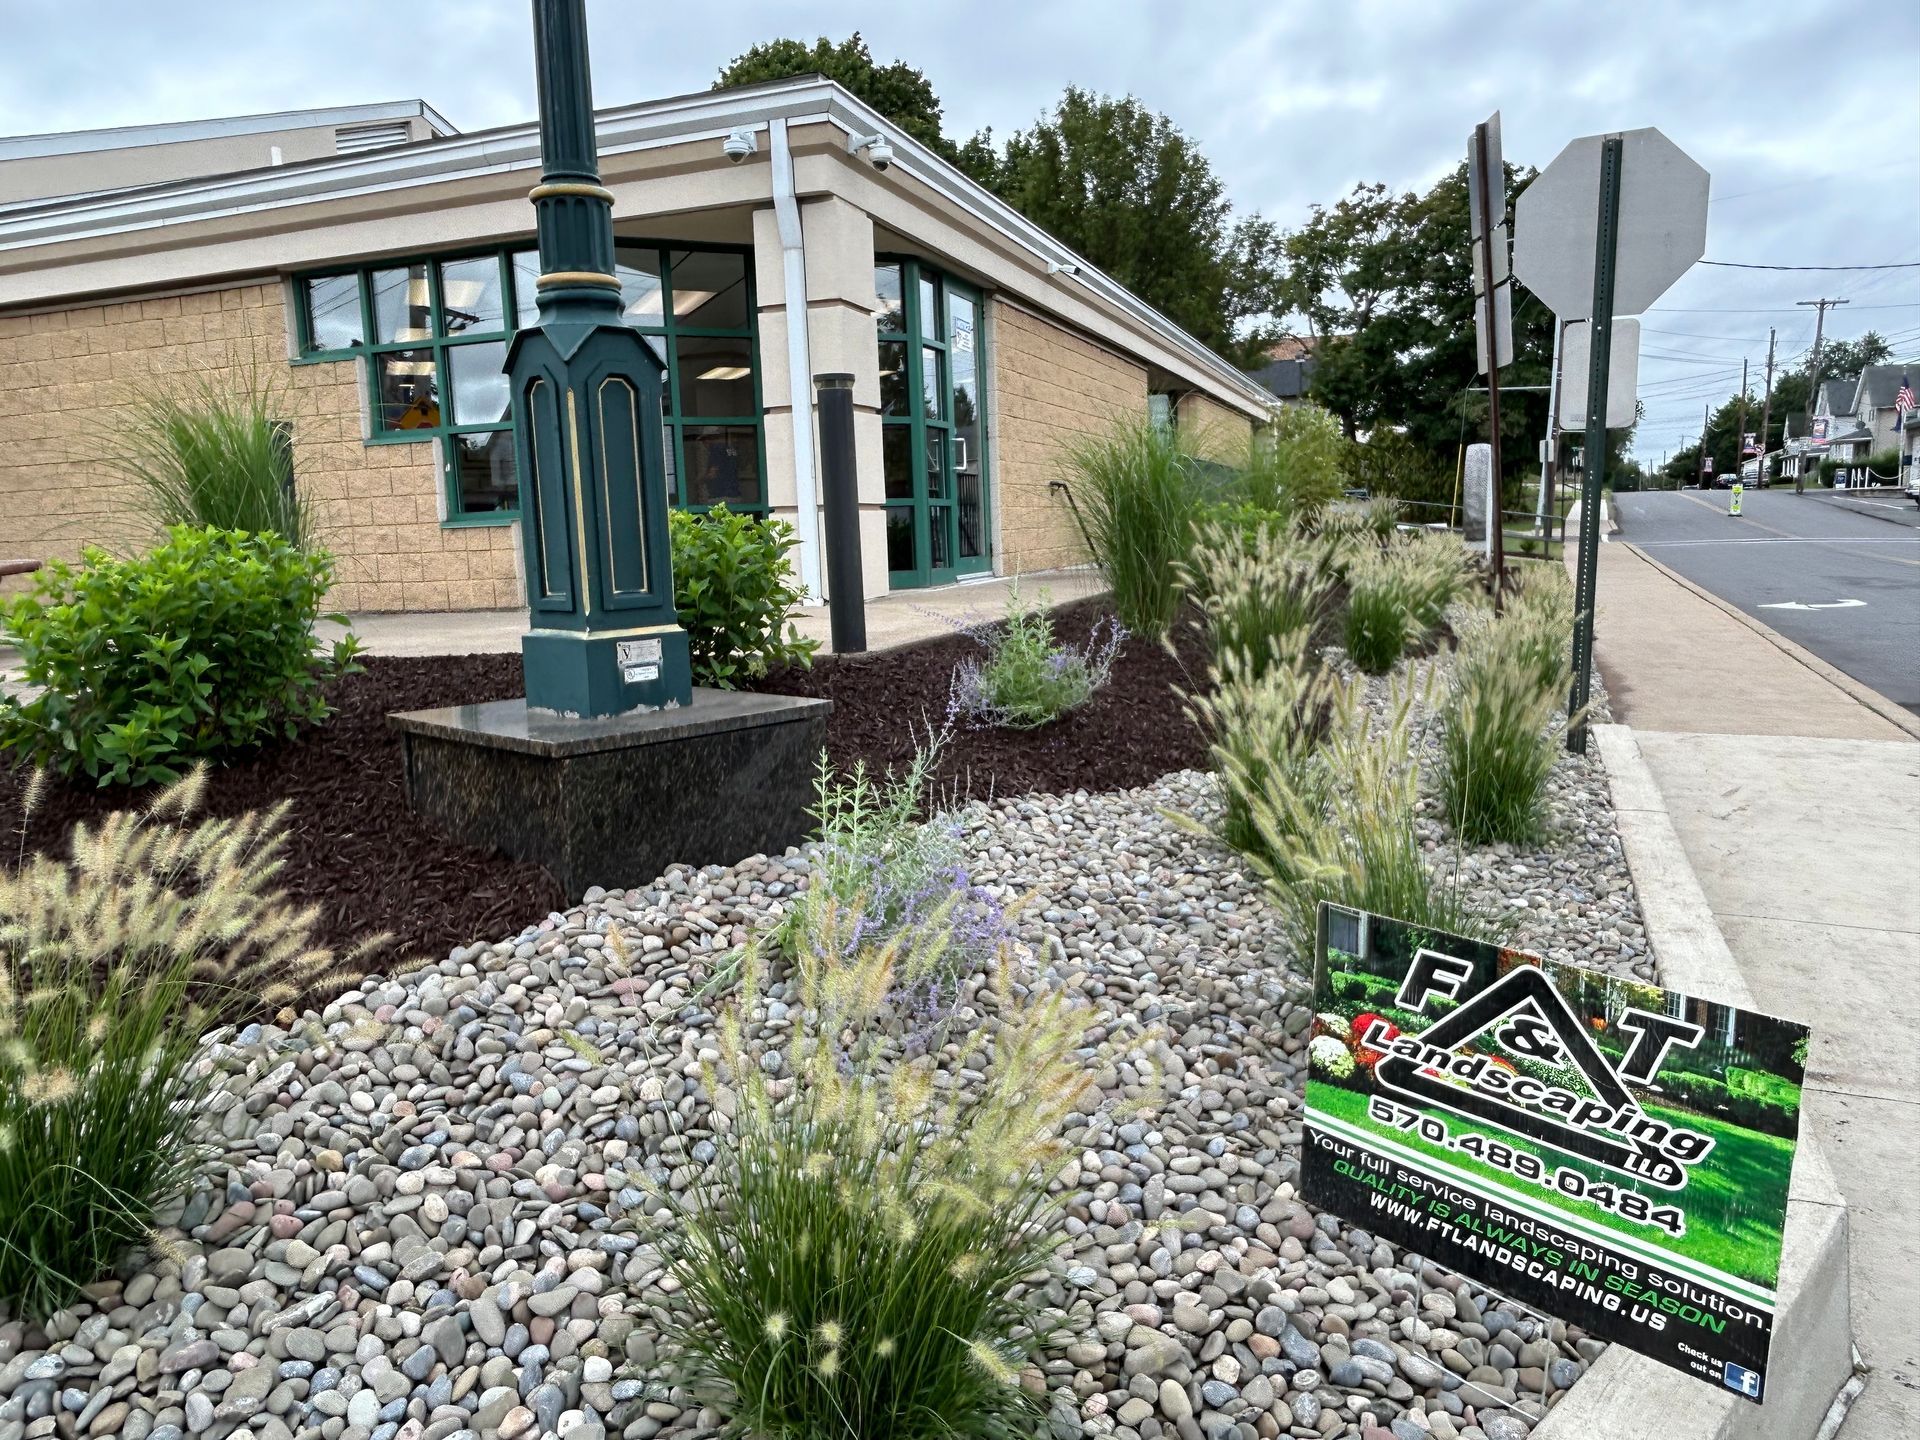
(1213, 425)
(67, 378)
(1050, 386)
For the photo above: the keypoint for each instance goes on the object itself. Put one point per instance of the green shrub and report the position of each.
(113, 964)
(1028, 679)
(202, 648)
(736, 595)
(1262, 592)
(853, 1262)
(1387, 463)
(1341, 828)
(213, 451)
(1137, 496)
(1293, 467)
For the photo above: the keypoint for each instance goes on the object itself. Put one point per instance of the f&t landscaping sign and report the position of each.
(1609, 1152)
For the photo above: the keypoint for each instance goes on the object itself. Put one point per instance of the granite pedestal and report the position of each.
(615, 800)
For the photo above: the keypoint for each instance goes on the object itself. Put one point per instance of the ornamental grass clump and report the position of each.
(1397, 595)
(1262, 591)
(1501, 729)
(1341, 828)
(1027, 678)
(858, 1259)
(1137, 496)
(1262, 721)
(114, 963)
(1294, 468)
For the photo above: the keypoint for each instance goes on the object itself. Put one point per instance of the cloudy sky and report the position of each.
(1807, 114)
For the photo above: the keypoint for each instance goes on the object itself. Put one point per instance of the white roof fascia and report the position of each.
(651, 124)
(177, 132)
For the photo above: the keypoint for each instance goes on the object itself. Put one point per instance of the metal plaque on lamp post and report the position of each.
(1601, 232)
(605, 638)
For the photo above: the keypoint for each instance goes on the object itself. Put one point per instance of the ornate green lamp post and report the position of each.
(605, 638)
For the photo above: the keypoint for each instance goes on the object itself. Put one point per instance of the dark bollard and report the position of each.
(847, 607)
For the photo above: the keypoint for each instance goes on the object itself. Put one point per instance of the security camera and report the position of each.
(879, 152)
(738, 145)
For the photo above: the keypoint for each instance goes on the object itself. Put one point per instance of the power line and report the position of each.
(1746, 265)
(1768, 309)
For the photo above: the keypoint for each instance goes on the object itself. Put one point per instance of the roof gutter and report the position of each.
(793, 259)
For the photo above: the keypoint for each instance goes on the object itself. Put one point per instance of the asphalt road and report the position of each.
(1787, 551)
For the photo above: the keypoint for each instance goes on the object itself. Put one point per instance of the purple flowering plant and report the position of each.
(1025, 677)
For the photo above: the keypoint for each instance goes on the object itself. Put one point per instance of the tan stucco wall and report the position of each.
(65, 378)
(1050, 386)
(1213, 424)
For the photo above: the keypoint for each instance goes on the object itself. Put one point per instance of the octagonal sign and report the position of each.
(1663, 224)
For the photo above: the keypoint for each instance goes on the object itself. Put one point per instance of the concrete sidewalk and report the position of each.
(1797, 802)
(892, 620)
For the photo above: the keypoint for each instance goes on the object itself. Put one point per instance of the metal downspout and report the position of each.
(793, 255)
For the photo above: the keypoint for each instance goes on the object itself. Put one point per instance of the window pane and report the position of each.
(969, 486)
(470, 296)
(639, 270)
(710, 290)
(933, 390)
(939, 518)
(409, 390)
(900, 547)
(896, 460)
(526, 288)
(716, 376)
(672, 465)
(936, 464)
(723, 463)
(483, 472)
(402, 309)
(973, 513)
(333, 312)
(893, 378)
(889, 310)
(480, 390)
(962, 358)
(929, 310)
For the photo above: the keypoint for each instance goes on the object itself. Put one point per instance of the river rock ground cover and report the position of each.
(427, 1212)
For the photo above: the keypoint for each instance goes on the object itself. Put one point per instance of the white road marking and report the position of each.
(1789, 540)
(1829, 605)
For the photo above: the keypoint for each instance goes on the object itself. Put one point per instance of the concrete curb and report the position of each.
(1869, 514)
(1627, 1396)
(1871, 699)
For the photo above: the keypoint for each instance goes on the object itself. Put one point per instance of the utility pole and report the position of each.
(1740, 432)
(1766, 411)
(1700, 461)
(1820, 308)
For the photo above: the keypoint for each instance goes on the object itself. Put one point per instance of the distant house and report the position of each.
(1288, 370)
(1873, 403)
(1833, 432)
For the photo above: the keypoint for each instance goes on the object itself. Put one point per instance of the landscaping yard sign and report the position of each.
(1611, 1152)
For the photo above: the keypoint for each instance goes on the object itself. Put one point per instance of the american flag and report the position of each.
(1904, 400)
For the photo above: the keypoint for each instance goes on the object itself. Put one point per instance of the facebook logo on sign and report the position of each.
(1738, 1377)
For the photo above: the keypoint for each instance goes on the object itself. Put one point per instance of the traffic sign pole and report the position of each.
(1600, 355)
(1495, 521)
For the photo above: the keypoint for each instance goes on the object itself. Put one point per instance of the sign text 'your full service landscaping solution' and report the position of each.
(1606, 1151)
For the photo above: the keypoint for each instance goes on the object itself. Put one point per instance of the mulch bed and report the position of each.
(1131, 733)
(357, 851)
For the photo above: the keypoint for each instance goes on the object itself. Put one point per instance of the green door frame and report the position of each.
(930, 427)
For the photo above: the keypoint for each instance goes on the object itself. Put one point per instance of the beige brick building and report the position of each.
(373, 281)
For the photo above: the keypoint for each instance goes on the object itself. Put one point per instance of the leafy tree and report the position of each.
(1125, 188)
(1385, 282)
(898, 91)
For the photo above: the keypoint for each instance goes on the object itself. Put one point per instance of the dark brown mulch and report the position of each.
(357, 851)
(1131, 733)
(354, 848)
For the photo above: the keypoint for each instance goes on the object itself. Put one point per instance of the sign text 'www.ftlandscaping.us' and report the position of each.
(1606, 1151)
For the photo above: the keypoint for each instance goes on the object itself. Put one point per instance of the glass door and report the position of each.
(932, 425)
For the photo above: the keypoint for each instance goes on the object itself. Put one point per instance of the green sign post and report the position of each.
(605, 638)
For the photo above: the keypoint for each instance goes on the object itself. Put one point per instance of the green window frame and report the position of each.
(934, 428)
(439, 345)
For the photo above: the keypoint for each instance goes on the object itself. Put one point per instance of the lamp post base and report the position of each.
(599, 673)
